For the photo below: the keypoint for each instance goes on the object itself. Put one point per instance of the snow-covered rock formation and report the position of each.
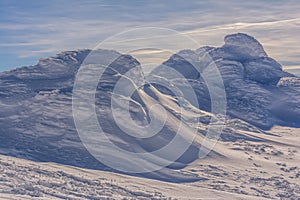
(253, 82)
(36, 103)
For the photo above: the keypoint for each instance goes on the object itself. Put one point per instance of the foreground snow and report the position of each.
(247, 170)
(22, 179)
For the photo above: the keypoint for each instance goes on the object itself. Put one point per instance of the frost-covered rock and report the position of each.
(243, 47)
(253, 81)
(264, 70)
(293, 82)
(36, 101)
(230, 70)
(183, 62)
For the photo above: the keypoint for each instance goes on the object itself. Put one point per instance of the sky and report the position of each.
(33, 29)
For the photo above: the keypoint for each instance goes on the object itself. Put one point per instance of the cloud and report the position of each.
(243, 25)
(291, 67)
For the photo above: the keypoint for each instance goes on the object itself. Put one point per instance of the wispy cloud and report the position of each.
(243, 25)
(291, 67)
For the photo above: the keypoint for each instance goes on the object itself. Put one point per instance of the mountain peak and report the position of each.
(70, 57)
(246, 46)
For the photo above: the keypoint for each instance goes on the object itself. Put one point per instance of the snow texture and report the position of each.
(251, 159)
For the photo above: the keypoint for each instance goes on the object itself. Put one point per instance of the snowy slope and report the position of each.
(52, 181)
(251, 170)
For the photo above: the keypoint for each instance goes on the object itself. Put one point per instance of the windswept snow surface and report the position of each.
(251, 158)
(266, 169)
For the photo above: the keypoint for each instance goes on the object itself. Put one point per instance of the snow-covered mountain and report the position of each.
(37, 120)
(253, 82)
